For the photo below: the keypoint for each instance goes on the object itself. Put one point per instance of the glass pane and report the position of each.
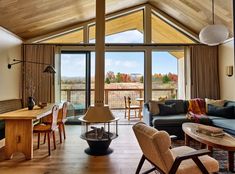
(165, 33)
(167, 74)
(73, 81)
(92, 78)
(72, 37)
(124, 76)
(124, 29)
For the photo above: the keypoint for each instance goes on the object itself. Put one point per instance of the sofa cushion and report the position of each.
(226, 124)
(180, 105)
(230, 103)
(176, 120)
(213, 102)
(154, 106)
(226, 112)
(169, 109)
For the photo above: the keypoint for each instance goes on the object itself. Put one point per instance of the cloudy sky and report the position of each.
(73, 65)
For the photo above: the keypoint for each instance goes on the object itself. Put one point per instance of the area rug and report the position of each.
(218, 154)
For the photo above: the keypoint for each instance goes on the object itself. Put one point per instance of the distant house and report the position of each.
(135, 77)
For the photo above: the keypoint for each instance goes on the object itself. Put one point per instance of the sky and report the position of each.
(73, 65)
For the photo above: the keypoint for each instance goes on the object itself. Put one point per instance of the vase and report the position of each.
(31, 103)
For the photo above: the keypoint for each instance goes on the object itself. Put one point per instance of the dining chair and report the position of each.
(60, 121)
(48, 129)
(156, 148)
(129, 107)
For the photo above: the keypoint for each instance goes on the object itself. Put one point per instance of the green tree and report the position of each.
(142, 79)
(118, 77)
(165, 79)
(107, 80)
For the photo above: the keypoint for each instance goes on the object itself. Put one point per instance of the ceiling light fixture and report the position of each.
(214, 34)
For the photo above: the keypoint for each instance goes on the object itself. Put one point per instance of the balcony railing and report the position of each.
(115, 97)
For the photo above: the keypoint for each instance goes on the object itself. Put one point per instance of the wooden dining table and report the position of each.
(19, 129)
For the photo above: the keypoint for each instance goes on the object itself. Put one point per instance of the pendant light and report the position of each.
(214, 34)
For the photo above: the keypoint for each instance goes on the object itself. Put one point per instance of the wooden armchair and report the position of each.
(48, 128)
(129, 107)
(155, 146)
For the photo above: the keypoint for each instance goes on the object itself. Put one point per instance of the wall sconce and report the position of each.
(229, 71)
(49, 68)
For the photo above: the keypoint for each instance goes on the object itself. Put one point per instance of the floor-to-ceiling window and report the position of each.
(167, 74)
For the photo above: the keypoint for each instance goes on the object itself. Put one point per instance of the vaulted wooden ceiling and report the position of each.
(32, 18)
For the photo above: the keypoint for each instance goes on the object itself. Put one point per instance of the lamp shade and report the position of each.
(49, 69)
(213, 34)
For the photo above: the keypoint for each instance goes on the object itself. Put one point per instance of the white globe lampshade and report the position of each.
(213, 35)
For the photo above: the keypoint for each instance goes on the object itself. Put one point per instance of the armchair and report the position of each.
(156, 148)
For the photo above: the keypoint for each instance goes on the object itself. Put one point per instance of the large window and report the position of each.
(124, 29)
(167, 74)
(124, 76)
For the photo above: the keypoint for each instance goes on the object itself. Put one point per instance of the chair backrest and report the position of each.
(63, 112)
(155, 145)
(55, 112)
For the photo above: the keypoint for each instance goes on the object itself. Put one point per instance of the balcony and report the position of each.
(113, 97)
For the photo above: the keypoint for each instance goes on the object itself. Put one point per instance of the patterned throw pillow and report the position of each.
(213, 102)
(154, 106)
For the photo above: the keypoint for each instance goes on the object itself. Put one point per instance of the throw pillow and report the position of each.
(226, 112)
(154, 107)
(213, 102)
(167, 109)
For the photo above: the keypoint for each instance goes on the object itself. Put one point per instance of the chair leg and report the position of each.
(49, 144)
(64, 130)
(129, 114)
(60, 133)
(45, 135)
(125, 112)
(135, 112)
(140, 164)
(53, 133)
(38, 140)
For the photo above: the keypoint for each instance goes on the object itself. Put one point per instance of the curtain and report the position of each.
(204, 72)
(37, 84)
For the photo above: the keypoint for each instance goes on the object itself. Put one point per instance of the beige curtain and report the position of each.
(204, 72)
(37, 84)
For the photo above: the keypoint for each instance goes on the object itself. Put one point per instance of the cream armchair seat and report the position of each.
(156, 148)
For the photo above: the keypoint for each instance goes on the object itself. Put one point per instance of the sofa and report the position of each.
(173, 123)
(7, 106)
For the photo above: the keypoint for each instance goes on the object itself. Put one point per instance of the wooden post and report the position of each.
(106, 96)
(100, 52)
(68, 95)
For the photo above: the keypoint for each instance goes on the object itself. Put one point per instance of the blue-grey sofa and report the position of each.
(173, 123)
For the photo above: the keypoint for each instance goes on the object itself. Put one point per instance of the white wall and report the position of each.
(10, 79)
(226, 58)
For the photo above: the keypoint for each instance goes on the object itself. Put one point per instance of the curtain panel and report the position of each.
(204, 72)
(37, 84)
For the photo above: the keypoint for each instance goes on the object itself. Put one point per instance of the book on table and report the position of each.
(211, 131)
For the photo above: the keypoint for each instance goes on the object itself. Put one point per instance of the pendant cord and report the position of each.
(213, 12)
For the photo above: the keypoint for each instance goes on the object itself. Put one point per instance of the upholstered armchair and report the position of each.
(156, 148)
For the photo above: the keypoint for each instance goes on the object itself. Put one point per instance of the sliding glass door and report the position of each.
(76, 81)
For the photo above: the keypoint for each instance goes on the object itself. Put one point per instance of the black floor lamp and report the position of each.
(49, 68)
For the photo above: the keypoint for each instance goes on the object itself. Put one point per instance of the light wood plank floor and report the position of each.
(69, 157)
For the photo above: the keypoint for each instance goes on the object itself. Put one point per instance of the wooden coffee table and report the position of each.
(226, 142)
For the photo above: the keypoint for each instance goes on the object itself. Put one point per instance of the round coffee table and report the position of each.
(226, 142)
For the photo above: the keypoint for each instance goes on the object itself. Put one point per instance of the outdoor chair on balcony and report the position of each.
(129, 107)
(156, 148)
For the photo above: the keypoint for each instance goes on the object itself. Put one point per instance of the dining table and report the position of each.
(19, 129)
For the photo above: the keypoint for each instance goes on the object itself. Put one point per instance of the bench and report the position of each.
(7, 106)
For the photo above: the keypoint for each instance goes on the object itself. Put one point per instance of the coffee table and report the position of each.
(226, 142)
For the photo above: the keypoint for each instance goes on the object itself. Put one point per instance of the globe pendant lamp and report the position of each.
(214, 34)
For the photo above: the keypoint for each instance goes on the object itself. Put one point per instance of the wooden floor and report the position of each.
(69, 157)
